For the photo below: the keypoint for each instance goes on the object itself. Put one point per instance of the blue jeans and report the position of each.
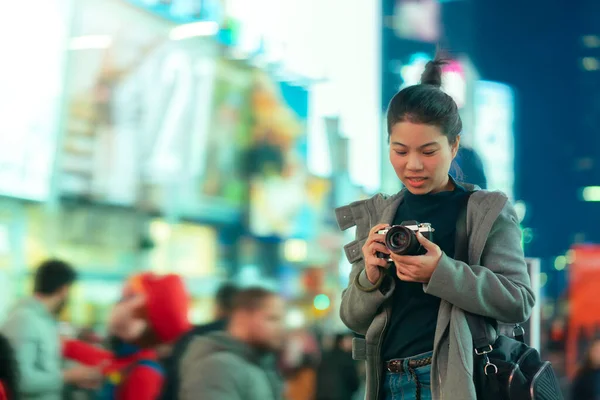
(403, 386)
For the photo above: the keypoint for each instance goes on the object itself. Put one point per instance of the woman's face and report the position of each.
(421, 156)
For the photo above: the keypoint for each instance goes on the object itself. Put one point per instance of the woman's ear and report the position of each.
(455, 147)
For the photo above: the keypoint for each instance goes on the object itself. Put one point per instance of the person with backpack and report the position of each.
(241, 362)
(223, 306)
(407, 293)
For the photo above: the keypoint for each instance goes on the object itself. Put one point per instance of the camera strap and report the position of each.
(481, 328)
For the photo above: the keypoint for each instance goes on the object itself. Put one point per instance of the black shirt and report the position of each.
(411, 328)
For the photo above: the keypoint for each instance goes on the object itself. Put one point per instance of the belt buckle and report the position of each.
(394, 366)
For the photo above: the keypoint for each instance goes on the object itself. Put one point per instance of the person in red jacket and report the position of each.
(152, 312)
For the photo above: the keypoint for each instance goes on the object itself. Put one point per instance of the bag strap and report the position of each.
(479, 327)
(461, 245)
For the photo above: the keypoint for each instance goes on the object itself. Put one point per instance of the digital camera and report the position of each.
(402, 239)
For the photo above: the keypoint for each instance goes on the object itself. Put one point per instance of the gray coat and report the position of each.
(494, 284)
(219, 367)
(33, 332)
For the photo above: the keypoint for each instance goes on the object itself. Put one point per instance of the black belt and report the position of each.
(397, 366)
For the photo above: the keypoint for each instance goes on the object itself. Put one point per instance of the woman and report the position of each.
(8, 371)
(412, 308)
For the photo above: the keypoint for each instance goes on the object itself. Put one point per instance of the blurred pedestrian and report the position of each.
(238, 364)
(586, 384)
(337, 376)
(301, 357)
(9, 373)
(469, 167)
(32, 330)
(223, 305)
(152, 311)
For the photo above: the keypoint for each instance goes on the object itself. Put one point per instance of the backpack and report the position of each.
(505, 368)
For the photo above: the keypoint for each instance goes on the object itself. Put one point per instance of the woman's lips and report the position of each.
(416, 181)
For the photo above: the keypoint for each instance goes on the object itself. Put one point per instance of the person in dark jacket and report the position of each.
(337, 376)
(9, 373)
(586, 385)
(224, 301)
(470, 167)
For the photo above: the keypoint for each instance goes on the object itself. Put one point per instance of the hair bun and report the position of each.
(433, 72)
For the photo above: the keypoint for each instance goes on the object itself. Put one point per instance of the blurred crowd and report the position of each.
(152, 351)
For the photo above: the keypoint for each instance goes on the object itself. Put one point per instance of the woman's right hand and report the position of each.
(375, 243)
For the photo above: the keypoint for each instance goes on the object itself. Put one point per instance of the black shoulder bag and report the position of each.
(504, 368)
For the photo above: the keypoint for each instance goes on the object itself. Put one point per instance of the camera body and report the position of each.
(402, 239)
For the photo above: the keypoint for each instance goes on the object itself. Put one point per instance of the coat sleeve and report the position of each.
(361, 300)
(500, 287)
(85, 353)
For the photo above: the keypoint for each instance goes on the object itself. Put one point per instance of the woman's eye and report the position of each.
(401, 153)
(429, 153)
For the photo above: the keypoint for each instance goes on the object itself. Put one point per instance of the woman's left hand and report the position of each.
(418, 268)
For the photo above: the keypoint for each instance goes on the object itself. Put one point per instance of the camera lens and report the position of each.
(400, 239)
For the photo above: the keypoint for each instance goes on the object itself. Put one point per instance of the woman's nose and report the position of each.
(414, 163)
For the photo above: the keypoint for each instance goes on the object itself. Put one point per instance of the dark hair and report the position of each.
(9, 373)
(426, 103)
(52, 275)
(251, 299)
(225, 296)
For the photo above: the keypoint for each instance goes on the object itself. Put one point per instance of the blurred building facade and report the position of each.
(214, 138)
(187, 137)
